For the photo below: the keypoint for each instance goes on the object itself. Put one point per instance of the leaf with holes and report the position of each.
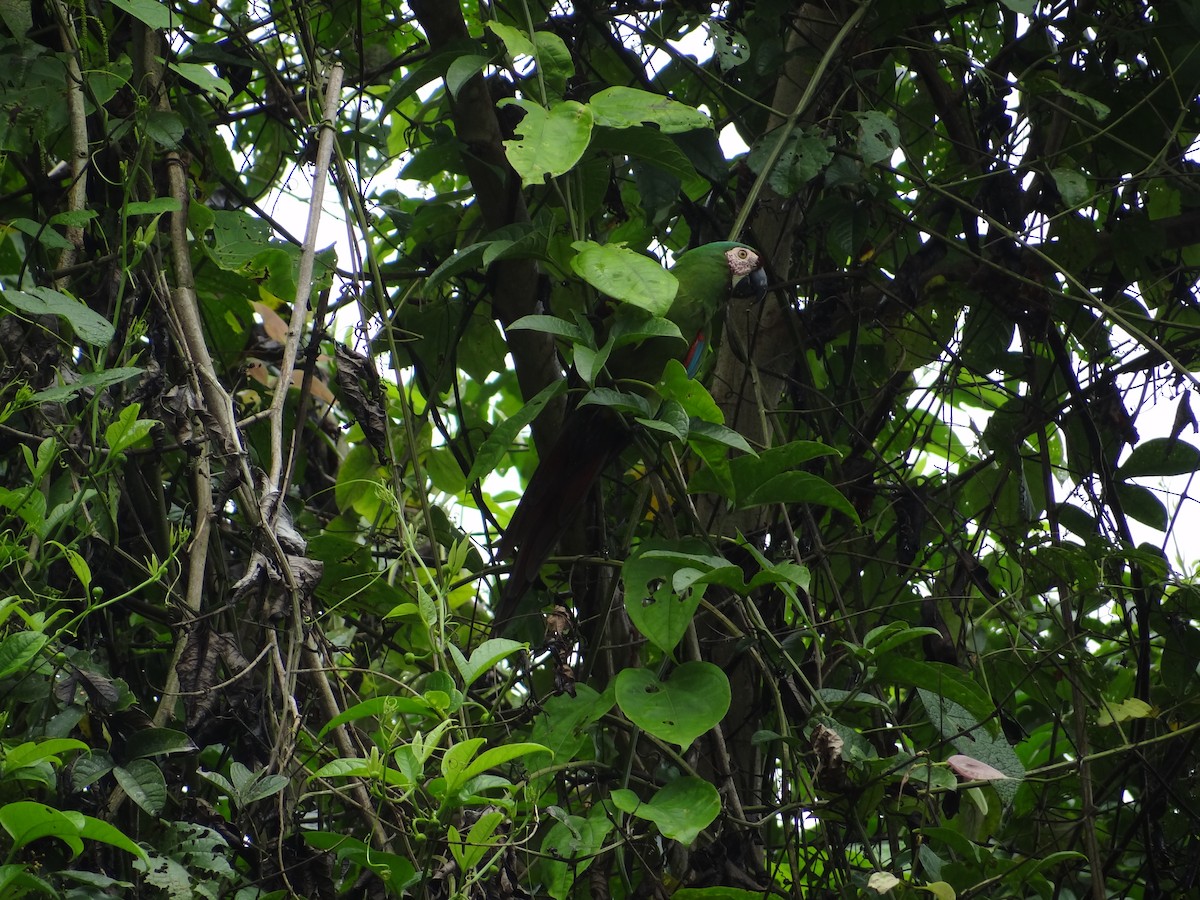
(692, 699)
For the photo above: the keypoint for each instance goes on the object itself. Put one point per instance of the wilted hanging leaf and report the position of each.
(972, 769)
(363, 395)
(828, 746)
(882, 882)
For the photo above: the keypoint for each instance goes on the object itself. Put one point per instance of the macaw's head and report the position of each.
(720, 270)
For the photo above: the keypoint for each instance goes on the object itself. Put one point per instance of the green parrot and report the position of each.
(593, 436)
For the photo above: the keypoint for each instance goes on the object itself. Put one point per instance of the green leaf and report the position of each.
(648, 145)
(165, 127)
(516, 42)
(497, 756)
(456, 759)
(718, 434)
(626, 107)
(681, 810)
(804, 156)
(751, 473)
(624, 275)
(563, 721)
(94, 829)
(553, 60)
(150, 12)
(42, 301)
(143, 781)
(634, 404)
(551, 141)
(27, 821)
(78, 565)
(1072, 185)
(263, 786)
(345, 767)
(496, 445)
(203, 79)
(693, 699)
(834, 698)
(799, 487)
(386, 708)
(128, 430)
(569, 848)
(885, 638)
(73, 217)
(656, 610)
(18, 651)
(484, 657)
(937, 678)
(878, 137)
(43, 234)
(469, 852)
(512, 240)
(394, 871)
(463, 69)
(151, 207)
(15, 880)
(637, 325)
(1161, 457)
(971, 738)
(550, 325)
(89, 381)
(157, 742)
(32, 752)
(90, 768)
(1143, 505)
(1131, 708)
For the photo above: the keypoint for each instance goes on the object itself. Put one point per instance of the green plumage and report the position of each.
(706, 277)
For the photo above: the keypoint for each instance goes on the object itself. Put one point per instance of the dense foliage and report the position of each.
(895, 598)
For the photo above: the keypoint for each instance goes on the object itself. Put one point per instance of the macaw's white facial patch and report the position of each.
(742, 261)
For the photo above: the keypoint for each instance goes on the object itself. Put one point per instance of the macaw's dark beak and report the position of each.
(753, 285)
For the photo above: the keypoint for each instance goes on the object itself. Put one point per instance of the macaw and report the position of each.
(593, 436)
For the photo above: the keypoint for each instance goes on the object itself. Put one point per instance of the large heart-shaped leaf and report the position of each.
(692, 699)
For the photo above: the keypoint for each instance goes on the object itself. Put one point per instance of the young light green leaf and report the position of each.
(516, 42)
(626, 107)
(484, 657)
(26, 821)
(550, 141)
(624, 275)
(128, 430)
(463, 69)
